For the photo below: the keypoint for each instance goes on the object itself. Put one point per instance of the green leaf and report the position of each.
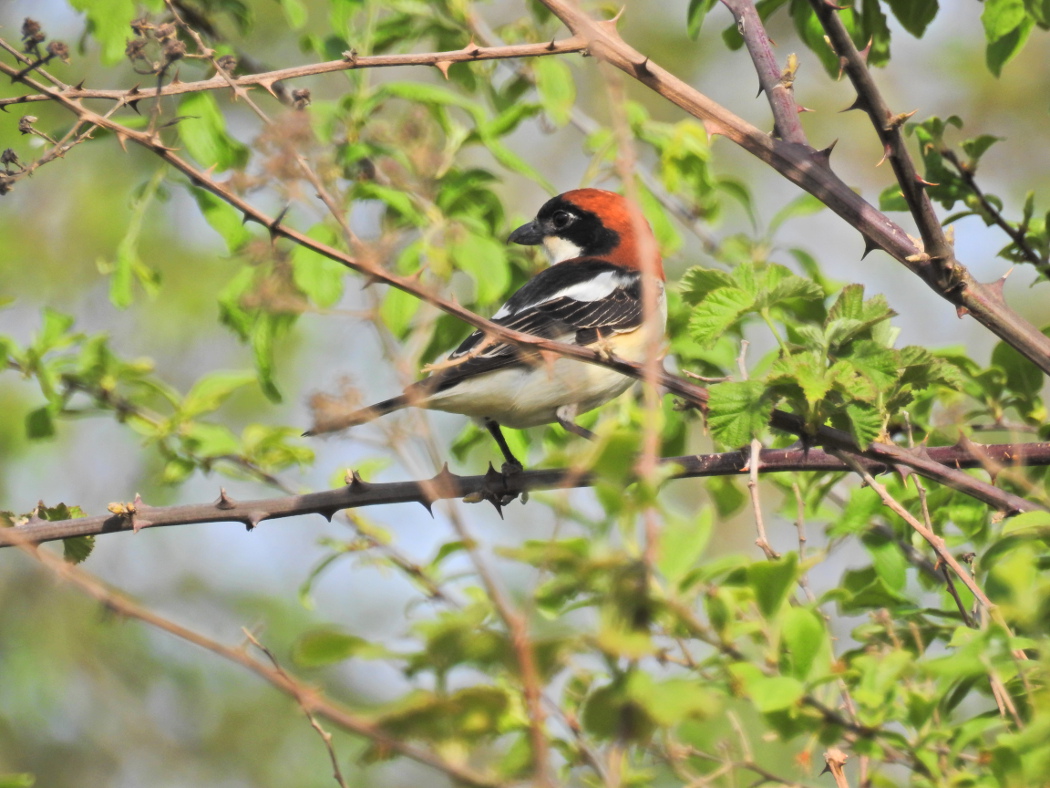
(697, 283)
(320, 278)
(717, 312)
(892, 199)
(223, 218)
(775, 693)
(1006, 28)
(695, 16)
(295, 13)
(803, 205)
(484, 258)
(865, 423)
(914, 15)
(397, 310)
(681, 543)
(265, 330)
(805, 639)
(772, 581)
(738, 411)
(40, 423)
(203, 132)
(556, 87)
(108, 23)
(1022, 376)
(328, 645)
(77, 548)
(22, 780)
(670, 702)
(210, 391)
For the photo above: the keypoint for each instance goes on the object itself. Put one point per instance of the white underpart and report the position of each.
(594, 289)
(520, 397)
(559, 249)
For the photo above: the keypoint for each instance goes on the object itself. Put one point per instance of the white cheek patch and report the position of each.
(559, 249)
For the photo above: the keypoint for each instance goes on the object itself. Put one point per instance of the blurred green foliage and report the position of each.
(140, 297)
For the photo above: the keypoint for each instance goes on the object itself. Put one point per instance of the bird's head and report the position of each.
(593, 223)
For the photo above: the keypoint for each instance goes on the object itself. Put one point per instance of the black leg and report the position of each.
(575, 428)
(512, 465)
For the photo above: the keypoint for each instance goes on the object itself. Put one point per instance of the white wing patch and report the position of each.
(594, 289)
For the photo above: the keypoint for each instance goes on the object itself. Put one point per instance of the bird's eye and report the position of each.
(561, 219)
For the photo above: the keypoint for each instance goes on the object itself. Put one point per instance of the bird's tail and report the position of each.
(331, 419)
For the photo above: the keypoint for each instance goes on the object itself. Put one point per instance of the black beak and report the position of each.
(528, 234)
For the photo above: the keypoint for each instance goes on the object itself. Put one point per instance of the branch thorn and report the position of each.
(356, 483)
(825, 153)
(443, 66)
(224, 501)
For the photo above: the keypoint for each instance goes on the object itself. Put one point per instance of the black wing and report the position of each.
(566, 319)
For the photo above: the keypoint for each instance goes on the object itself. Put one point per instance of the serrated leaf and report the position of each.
(76, 549)
(865, 423)
(716, 313)
(738, 411)
(892, 199)
(697, 283)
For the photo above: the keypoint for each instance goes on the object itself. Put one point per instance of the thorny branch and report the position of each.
(492, 486)
(810, 169)
(610, 47)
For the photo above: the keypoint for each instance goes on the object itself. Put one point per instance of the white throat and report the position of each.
(559, 249)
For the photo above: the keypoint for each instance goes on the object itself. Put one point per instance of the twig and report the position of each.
(836, 763)
(753, 463)
(698, 396)
(326, 737)
(349, 62)
(1015, 234)
(935, 541)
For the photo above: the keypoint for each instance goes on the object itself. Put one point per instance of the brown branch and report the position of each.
(137, 515)
(694, 394)
(810, 169)
(308, 698)
(984, 301)
(349, 62)
(776, 84)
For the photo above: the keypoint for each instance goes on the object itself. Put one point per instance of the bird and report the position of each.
(600, 247)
